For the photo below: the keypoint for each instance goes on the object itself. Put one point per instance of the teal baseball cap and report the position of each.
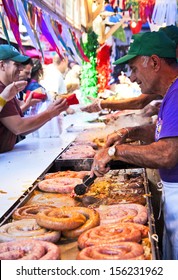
(8, 52)
(149, 43)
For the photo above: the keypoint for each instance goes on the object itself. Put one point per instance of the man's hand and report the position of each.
(95, 106)
(118, 137)
(101, 159)
(11, 90)
(58, 106)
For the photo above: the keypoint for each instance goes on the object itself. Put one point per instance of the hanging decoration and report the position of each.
(103, 67)
(146, 9)
(135, 27)
(13, 21)
(57, 42)
(78, 47)
(46, 32)
(22, 13)
(165, 12)
(133, 7)
(89, 77)
(57, 27)
(4, 28)
(68, 39)
(120, 34)
(140, 9)
(31, 13)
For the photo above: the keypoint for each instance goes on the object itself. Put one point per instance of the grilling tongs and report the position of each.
(82, 188)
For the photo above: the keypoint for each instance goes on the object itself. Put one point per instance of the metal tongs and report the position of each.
(82, 188)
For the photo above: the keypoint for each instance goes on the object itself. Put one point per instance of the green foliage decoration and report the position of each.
(89, 73)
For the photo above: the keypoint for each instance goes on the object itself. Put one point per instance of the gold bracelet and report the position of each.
(2, 102)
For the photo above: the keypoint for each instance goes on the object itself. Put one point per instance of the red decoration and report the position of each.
(142, 9)
(103, 68)
(59, 27)
(135, 26)
(113, 2)
(146, 9)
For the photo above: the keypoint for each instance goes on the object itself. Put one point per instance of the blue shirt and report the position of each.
(32, 85)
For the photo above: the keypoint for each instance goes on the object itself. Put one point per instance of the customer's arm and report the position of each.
(124, 104)
(24, 125)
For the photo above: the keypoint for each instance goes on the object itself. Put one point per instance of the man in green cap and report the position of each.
(153, 64)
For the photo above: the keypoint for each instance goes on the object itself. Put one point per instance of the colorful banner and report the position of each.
(78, 46)
(4, 28)
(13, 20)
(22, 13)
(46, 32)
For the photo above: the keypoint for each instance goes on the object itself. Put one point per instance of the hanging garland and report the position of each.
(89, 74)
(103, 67)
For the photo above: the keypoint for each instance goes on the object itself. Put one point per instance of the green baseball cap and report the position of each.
(171, 31)
(147, 44)
(8, 52)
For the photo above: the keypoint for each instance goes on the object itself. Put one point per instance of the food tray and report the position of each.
(77, 164)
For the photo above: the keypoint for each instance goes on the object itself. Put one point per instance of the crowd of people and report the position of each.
(152, 60)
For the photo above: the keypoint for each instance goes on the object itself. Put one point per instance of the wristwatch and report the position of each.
(112, 151)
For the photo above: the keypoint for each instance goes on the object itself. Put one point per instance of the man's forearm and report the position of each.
(143, 133)
(35, 122)
(148, 156)
(129, 103)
